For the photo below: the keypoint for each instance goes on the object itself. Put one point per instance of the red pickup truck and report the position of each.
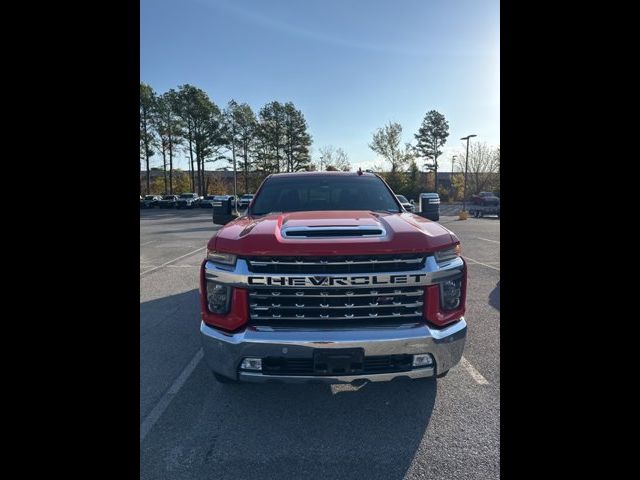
(327, 279)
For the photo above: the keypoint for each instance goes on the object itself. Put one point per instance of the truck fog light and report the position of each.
(451, 291)
(422, 360)
(251, 364)
(218, 298)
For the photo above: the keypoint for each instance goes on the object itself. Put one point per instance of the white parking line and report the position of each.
(147, 243)
(476, 375)
(480, 263)
(487, 240)
(171, 261)
(157, 411)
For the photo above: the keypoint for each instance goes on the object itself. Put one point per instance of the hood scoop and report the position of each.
(328, 231)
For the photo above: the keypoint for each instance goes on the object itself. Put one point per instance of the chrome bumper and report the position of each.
(224, 352)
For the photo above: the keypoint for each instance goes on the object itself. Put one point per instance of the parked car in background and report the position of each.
(207, 201)
(150, 201)
(245, 200)
(188, 200)
(168, 201)
(485, 198)
(408, 206)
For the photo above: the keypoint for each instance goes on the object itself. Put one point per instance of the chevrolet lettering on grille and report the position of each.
(339, 281)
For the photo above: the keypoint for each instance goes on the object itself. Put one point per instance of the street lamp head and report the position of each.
(468, 137)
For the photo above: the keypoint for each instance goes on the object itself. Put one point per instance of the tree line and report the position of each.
(187, 121)
(403, 174)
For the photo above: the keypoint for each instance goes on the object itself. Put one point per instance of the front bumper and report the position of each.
(224, 351)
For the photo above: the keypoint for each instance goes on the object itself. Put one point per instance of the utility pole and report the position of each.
(466, 167)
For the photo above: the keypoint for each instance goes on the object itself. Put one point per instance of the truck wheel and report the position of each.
(476, 214)
(442, 375)
(223, 379)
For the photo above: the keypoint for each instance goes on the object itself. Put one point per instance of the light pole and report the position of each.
(466, 166)
(453, 160)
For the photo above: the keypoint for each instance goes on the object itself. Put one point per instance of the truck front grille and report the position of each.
(338, 264)
(335, 306)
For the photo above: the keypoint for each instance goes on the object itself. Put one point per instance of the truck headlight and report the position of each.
(450, 294)
(221, 257)
(218, 298)
(448, 254)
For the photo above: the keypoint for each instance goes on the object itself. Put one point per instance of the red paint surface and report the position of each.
(406, 233)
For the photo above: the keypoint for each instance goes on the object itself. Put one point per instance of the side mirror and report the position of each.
(222, 212)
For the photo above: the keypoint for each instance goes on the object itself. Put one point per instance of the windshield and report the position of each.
(313, 193)
(402, 198)
(247, 197)
(210, 197)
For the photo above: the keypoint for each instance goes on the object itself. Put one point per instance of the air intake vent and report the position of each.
(332, 232)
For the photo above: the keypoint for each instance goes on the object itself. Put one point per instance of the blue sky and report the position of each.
(350, 65)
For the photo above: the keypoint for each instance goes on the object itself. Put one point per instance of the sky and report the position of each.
(350, 66)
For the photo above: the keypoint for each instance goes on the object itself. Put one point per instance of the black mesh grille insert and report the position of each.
(304, 366)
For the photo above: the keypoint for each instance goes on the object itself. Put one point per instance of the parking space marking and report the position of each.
(475, 374)
(157, 411)
(171, 261)
(487, 240)
(480, 263)
(147, 243)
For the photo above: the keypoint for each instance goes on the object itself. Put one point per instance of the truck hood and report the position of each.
(400, 233)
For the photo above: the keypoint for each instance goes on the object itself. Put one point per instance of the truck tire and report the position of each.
(476, 213)
(442, 375)
(223, 379)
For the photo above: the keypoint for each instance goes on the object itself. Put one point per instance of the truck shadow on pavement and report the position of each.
(494, 297)
(211, 430)
(319, 431)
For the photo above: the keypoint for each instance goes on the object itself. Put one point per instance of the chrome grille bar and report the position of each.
(334, 294)
(336, 317)
(257, 307)
(385, 306)
(265, 263)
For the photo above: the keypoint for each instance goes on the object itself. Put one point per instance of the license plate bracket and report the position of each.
(338, 361)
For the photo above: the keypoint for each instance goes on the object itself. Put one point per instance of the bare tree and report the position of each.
(336, 158)
(483, 172)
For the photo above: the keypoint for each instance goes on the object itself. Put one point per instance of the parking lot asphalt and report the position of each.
(194, 428)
